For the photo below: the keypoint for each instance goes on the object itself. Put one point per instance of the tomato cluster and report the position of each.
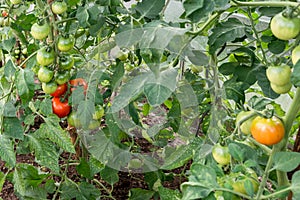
(280, 78)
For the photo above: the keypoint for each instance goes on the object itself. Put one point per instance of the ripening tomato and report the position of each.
(60, 90)
(296, 54)
(61, 109)
(279, 75)
(40, 31)
(4, 13)
(285, 28)
(267, 131)
(221, 154)
(78, 82)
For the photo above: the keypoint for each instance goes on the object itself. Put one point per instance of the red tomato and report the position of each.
(61, 89)
(78, 82)
(61, 109)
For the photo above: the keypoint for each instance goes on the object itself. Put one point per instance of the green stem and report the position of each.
(277, 193)
(265, 3)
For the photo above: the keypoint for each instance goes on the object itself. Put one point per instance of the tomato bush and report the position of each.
(95, 91)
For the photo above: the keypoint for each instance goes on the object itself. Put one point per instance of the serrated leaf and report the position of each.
(82, 15)
(9, 70)
(84, 169)
(286, 161)
(173, 11)
(88, 191)
(8, 44)
(9, 110)
(85, 110)
(45, 107)
(2, 179)
(19, 182)
(277, 46)
(168, 194)
(25, 84)
(56, 134)
(226, 32)
(45, 152)
(7, 153)
(296, 185)
(150, 9)
(109, 175)
(235, 90)
(128, 92)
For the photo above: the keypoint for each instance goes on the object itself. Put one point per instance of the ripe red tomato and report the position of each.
(4, 13)
(61, 109)
(267, 131)
(78, 82)
(61, 89)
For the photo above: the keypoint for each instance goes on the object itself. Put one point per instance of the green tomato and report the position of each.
(221, 154)
(99, 112)
(281, 89)
(62, 77)
(66, 62)
(135, 163)
(59, 7)
(240, 179)
(94, 124)
(65, 43)
(296, 54)
(45, 75)
(73, 120)
(285, 28)
(15, 1)
(45, 56)
(40, 31)
(196, 68)
(121, 55)
(279, 75)
(49, 87)
(246, 125)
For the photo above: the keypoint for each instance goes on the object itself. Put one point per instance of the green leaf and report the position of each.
(95, 165)
(9, 70)
(68, 190)
(174, 115)
(197, 10)
(8, 44)
(168, 194)
(13, 128)
(88, 191)
(286, 161)
(173, 11)
(118, 74)
(19, 182)
(296, 185)
(236, 152)
(9, 110)
(85, 110)
(226, 32)
(52, 130)
(2, 179)
(25, 84)
(46, 107)
(7, 153)
(150, 9)
(228, 68)
(128, 92)
(277, 46)
(45, 152)
(202, 181)
(140, 194)
(295, 77)
(181, 155)
(84, 169)
(82, 15)
(109, 175)
(264, 84)
(235, 90)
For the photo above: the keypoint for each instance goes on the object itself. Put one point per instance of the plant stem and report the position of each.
(265, 3)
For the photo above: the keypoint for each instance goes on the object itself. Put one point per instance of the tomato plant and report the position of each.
(78, 82)
(61, 89)
(285, 28)
(49, 87)
(267, 131)
(62, 77)
(45, 74)
(66, 62)
(99, 112)
(60, 108)
(73, 120)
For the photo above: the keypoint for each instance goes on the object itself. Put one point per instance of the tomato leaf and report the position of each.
(2, 179)
(85, 110)
(45, 152)
(296, 185)
(295, 77)
(150, 9)
(173, 11)
(138, 194)
(7, 153)
(264, 84)
(84, 169)
(109, 175)
(25, 84)
(168, 194)
(226, 32)
(13, 128)
(286, 161)
(197, 10)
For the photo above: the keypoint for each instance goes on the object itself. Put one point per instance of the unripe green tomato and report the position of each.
(121, 55)
(246, 125)
(15, 1)
(196, 68)
(93, 124)
(45, 56)
(45, 74)
(99, 112)
(296, 54)
(279, 75)
(59, 7)
(135, 163)
(40, 31)
(281, 89)
(73, 120)
(49, 87)
(221, 154)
